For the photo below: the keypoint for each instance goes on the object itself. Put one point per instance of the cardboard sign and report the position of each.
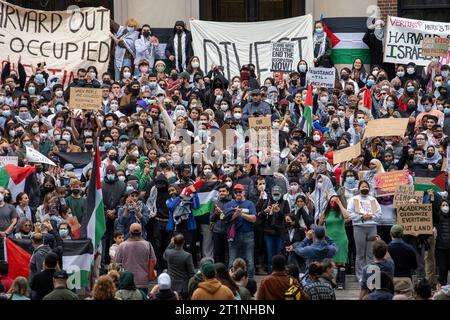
(403, 195)
(435, 47)
(85, 98)
(260, 133)
(282, 56)
(415, 218)
(390, 127)
(347, 153)
(323, 77)
(386, 183)
(4, 160)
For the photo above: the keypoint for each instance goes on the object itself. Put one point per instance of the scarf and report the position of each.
(320, 38)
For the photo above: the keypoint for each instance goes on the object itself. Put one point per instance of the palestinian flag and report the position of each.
(306, 122)
(77, 159)
(77, 259)
(425, 180)
(13, 178)
(346, 36)
(93, 225)
(207, 196)
(18, 255)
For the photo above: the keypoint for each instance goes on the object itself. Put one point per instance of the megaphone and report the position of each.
(285, 153)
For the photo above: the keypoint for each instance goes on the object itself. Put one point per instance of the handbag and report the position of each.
(151, 270)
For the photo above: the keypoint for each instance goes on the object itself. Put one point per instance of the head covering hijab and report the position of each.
(318, 196)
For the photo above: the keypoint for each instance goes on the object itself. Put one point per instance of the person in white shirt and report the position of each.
(364, 212)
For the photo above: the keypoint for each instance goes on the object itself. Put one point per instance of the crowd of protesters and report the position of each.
(306, 225)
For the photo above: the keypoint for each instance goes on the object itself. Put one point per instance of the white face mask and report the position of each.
(410, 70)
(229, 184)
(121, 178)
(238, 116)
(445, 209)
(195, 64)
(324, 99)
(316, 137)
(136, 153)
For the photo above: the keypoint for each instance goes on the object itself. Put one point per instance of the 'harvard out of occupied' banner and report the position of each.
(65, 40)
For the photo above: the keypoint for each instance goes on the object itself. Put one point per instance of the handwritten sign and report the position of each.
(347, 153)
(390, 127)
(386, 183)
(323, 77)
(4, 160)
(260, 133)
(85, 98)
(404, 193)
(435, 47)
(282, 56)
(415, 218)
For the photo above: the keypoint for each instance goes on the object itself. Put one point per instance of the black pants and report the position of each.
(107, 240)
(2, 252)
(220, 247)
(385, 233)
(443, 262)
(160, 239)
(260, 251)
(351, 245)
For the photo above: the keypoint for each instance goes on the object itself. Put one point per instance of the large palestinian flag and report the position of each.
(207, 196)
(346, 36)
(14, 178)
(18, 255)
(425, 180)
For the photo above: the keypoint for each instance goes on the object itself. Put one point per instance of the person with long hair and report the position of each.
(364, 211)
(333, 218)
(19, 289)
(292, 234)
(222, 274)
(104, 289)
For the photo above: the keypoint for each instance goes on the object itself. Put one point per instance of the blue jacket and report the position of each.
(173, 203)
(124, 223)
(316, 251)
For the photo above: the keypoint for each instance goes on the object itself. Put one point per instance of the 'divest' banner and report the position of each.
(233, 44)
(404, 40)
(64, 40)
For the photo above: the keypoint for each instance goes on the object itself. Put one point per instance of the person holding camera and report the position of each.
(133, 211)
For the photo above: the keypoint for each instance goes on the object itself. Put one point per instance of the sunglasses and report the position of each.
(237, 191)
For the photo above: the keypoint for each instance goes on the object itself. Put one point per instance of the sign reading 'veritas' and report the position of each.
(405, 193)
(415, 218)
(85, 98)
(386, 183)
(347, 154)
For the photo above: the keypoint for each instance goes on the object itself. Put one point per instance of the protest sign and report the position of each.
(404, 40)
(435, 47)
(386, 127)
(251, 43)
(347, 153)
(260, 133)
(404, 193)
(64, 40)
(85, 98)
(323, 77)
(37, 157)
(386, 183)
(4, 160)
(282, 56)
(415, 218)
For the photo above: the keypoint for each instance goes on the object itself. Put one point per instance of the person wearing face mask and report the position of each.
(113, 190)
(128, 104)
(293, 193)
(76, 201)
(364, 211)
(441, 232)
(19, 78)
(125, 45)
(302, 68)
(270, 215)
(218, 225)
(413, 74)
(179, 47)
(427, 104)
(323, 191)
(346, 82)
(322, 47)
(147, 48)
(193, 68)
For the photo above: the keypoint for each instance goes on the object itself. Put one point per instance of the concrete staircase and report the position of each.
(351, 291)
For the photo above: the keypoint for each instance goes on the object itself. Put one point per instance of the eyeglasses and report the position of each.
(148, 132)
(238, 191)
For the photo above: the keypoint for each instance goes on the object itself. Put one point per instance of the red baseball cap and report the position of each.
(238, 187)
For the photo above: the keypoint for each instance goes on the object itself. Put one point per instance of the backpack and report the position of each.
(294, 292)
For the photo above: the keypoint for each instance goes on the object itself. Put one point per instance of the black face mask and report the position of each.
(175, 98)
(7, 198)
(76, 192)
(179, 31)
(48, 189)
(174, 77)
(335, 125)
(411, 108)
(135, 92)
(364, 192)
(430, 154)
(349, 92)
(344, 77)
(113, 158)
(330, 113)
(397, 87)
(294, 82)
(89, 147)
(381, 78)
(146, 34)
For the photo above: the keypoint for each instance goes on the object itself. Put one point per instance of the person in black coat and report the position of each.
(441, 223)
(174, 50)
(293, 233)
(42, 283)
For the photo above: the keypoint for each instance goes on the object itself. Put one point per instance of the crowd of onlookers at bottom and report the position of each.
(214, 281)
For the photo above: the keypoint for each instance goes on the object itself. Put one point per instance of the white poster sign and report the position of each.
(324, 77)
(282, 57)
(4, 160)
(404, 40)
(64, 40)
(233, 44)
(37, 157)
